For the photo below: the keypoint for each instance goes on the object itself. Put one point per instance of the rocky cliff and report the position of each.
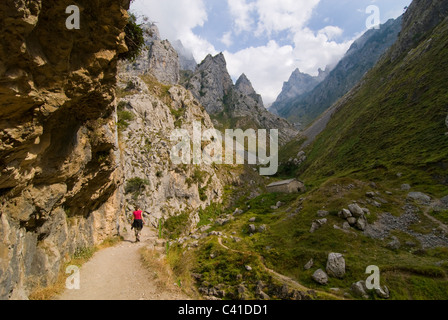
(57, 132)
(158, 58)
(233, 106)
(211, 82)
(165, 189)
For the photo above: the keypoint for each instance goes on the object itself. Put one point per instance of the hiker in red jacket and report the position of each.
(138, 223)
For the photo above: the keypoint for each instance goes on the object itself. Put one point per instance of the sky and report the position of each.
(268, 39)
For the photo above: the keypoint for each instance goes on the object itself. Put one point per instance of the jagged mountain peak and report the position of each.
(218, 59)
(298, 84)
(237, 106)
(244, 85)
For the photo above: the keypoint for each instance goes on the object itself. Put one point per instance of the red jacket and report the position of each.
(138, 215)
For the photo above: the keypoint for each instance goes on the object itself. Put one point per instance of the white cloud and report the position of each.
(317, 51)
(267, 66)
(227, 39)
(331, 32)
(176, 20)
(282, 15)
(241, 12)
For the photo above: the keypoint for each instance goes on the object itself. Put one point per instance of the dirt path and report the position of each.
(441, 225)
(117, 274)
(284, 279)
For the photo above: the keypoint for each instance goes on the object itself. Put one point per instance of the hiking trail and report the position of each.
(117, 273)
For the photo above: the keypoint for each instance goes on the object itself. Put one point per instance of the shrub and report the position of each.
(134, 39)
(123, 119)
(135, 185)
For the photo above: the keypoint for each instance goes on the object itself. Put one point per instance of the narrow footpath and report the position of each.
(117, 273)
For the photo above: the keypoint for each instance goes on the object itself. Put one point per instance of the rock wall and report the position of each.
(211, 82)
(169, 189)
(58, 171)
(159, 58)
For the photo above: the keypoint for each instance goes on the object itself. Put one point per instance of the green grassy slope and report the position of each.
(395, 123)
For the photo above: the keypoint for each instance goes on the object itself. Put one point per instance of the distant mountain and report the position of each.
(361, 57)
(298, 84)
(395, 119)
(236, 106)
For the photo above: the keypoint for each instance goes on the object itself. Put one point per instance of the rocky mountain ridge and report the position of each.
(361, 57)
(298, 84)
(233, 106)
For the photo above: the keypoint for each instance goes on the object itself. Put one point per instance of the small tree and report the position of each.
(135, 186)
(134, 39)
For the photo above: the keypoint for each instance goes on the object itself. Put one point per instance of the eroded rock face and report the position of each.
(164, 62)
(158, 58)
(57, 135)
(211, 83)
(170, 189)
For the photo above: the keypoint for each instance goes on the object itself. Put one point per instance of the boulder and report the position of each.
(359, 289)
(320, 277)
(346, 226)
(336, 265)
(419, 197)
(383, 292)
(361, 223)
(309, 265)
(352, 221)
(346, 214)
(252, 228)
(322, 213)
(405, 187)
(356, 210)
(317, 224)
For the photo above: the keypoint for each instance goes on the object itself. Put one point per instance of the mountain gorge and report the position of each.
(376, 178)
(86, 139)
(305, 107)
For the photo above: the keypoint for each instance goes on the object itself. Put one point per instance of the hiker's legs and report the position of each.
(137, 235)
